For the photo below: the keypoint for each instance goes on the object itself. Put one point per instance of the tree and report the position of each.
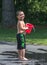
(8, 13)
(22, 5)
(0, 10)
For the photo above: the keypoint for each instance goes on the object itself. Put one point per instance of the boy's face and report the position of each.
(21, 16)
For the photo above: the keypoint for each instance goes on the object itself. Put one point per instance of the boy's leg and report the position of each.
(23, 55)
(20, 54)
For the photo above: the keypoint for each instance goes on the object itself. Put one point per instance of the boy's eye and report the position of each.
(21, 14)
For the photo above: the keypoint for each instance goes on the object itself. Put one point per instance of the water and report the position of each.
(9, 56)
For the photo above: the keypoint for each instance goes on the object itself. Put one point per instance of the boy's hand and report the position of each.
(27, 28)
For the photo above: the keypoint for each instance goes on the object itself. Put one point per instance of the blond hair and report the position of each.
(17, 13)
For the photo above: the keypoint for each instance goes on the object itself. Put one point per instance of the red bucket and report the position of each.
(30, 27)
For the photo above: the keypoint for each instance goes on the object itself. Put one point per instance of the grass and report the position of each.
(37, 37)
(8, 35)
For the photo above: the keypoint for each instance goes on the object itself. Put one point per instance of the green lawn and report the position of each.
(37, 37)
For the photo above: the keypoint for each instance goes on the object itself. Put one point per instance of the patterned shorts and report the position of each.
(21, 41)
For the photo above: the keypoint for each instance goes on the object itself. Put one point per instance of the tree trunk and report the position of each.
(8, 13)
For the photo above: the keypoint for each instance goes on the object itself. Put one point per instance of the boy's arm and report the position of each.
(22, 26)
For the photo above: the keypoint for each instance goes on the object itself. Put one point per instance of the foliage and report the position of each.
(0, 10)
(0, 3)
(35, 10)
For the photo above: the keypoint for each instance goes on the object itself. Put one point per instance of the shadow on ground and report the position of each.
(9, 55)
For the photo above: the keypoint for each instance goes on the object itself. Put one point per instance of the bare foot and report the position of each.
(25, 58)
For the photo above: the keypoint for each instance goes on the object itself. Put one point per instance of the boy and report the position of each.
(21, 46)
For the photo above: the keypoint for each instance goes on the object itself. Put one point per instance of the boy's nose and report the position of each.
(22, 16)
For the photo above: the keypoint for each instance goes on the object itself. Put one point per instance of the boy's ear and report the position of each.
(17, 16)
